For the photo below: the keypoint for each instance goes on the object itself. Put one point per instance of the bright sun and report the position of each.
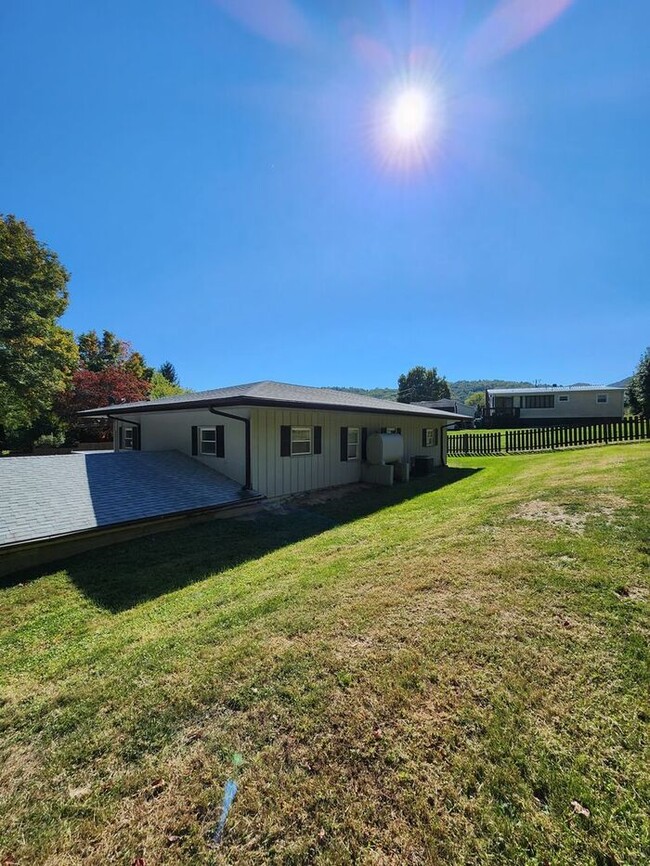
(410, 115)
(410, 124)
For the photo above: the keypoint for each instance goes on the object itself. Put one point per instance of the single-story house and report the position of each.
(279, 439)
(573, 404)
(450, 404)
(183, 458)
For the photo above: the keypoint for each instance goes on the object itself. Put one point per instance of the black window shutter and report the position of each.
(383, 430)
(318, 440)
(195, 441)
(424, 437)
(285, 441)
(399, 431)
(344, 443)
(220, 434)
(364, 443)
(120, 437)
(136, 438)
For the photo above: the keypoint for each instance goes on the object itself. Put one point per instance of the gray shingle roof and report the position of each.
(55, 495)
(553, 389)
(276, 394)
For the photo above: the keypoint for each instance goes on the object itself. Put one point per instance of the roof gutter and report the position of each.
(442, 438)
(277, 404)
(247, 428)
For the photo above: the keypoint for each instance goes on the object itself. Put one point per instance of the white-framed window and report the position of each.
(208, 441)
(391, 430)
(301, 440)
(601, 398)
(127, 438)
(563, 398)
(430, 437)
(354, 443)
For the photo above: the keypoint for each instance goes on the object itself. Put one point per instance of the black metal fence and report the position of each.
(547, 438)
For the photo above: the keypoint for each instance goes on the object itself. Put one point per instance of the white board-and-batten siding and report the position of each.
(166, 431)
(272, 474)
(275, 475)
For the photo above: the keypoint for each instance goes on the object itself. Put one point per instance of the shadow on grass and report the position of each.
(124, 575)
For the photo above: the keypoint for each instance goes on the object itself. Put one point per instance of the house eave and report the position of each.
(261, 402)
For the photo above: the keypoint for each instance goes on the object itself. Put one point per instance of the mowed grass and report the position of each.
(450, 672)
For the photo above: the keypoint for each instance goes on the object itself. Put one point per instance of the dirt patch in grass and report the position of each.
(633, 593)
(605, 505)
(549, 512)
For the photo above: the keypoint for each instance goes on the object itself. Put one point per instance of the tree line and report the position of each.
(47, 374)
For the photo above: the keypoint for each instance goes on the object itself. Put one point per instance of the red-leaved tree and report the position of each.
(91, 389)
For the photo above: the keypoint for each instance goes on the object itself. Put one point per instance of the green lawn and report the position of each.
(448, 672)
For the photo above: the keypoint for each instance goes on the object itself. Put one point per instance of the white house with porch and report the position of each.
(572, 404)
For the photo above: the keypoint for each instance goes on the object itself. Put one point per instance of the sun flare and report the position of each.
(411, 122)
(410, 114)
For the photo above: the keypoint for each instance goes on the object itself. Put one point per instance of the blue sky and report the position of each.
(215, 175)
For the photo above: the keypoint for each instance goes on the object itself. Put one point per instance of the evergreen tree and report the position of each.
(639, 390)
(168, 371)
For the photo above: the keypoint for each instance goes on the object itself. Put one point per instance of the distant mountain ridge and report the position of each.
(462, 388)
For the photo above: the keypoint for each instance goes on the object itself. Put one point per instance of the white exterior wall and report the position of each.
(581, 404)
(165, 431)
(274, 475)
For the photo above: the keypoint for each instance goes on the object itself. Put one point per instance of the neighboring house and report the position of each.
(553, 405)
(278, 439)
(449, 404)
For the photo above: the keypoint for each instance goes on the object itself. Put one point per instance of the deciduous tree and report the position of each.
(37, 355)
(97, 354)
(91, 389)
(162, 387)
(420, 384)
(476, 399)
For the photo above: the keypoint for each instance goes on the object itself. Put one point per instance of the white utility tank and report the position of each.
(384, 448)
